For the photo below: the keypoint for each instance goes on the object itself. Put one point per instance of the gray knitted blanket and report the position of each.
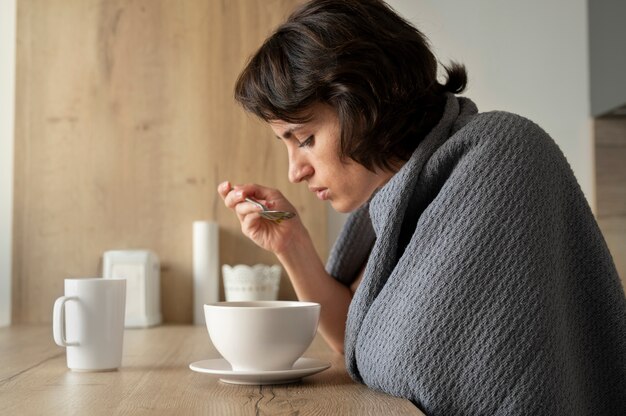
(488, 288)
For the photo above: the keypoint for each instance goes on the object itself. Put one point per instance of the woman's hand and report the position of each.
(294, 248)
(266, 234)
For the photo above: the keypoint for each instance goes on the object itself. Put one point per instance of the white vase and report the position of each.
(248, 283)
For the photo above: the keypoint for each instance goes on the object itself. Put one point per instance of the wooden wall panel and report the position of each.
(610, 147)
(125, 125)
(610, 135)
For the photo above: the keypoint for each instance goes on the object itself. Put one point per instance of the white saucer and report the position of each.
(220, 367)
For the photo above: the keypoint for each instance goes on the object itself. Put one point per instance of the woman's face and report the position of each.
(313, 149)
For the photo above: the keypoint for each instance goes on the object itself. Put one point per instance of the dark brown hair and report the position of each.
(359, 56)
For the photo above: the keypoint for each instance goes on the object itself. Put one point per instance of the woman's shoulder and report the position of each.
(503, 124)
(495, 138)
(495, 130)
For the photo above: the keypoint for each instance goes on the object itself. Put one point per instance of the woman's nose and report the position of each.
(299, 169)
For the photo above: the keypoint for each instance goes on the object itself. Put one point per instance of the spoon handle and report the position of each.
(257, 203)
(276, 216)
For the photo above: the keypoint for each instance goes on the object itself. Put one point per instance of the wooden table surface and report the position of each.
(155, 379)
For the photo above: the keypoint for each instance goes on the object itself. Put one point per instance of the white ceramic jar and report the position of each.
(250, 283)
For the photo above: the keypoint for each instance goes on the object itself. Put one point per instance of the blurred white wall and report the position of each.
(528, 57)
(7, 111)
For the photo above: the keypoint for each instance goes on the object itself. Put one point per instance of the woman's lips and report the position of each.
(322, 193)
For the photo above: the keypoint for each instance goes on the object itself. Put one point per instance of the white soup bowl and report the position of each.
(262, 335)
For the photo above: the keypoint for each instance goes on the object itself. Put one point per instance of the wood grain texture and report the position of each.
(610, 131)
(610, 147)
(614, 232)
(155, 379)
(610, 134)
(125, 124)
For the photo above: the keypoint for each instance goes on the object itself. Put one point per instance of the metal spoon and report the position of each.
(276, 216)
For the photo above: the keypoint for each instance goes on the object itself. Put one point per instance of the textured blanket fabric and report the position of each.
(488, 288)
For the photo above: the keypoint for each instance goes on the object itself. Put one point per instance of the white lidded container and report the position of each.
(141, 269)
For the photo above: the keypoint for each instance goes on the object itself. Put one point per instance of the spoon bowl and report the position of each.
(276, 216)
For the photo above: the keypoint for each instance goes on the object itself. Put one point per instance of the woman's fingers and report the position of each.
(258, 192)
(245, 208)
(236, 194)
(235, 198)
(264, 233)
(224, 188)
(249, 223)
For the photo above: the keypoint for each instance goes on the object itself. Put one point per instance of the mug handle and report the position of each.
(58, 322)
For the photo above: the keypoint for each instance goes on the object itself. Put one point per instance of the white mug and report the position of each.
(89, 322)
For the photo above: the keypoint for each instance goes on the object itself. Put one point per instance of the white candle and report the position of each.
(205, 267)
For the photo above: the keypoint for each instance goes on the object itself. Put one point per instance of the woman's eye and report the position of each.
(308, 142)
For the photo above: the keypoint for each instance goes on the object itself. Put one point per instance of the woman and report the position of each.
(470, 277)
